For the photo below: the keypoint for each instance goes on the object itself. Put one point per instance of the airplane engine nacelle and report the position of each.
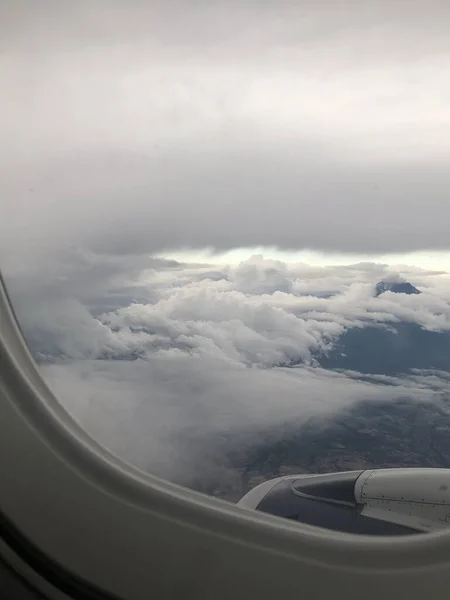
(371, 502)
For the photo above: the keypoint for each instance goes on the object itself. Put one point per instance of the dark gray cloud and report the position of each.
(136, 127)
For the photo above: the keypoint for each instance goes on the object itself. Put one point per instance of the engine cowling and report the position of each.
(371, 502)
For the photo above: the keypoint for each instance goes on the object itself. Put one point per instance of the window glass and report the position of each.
(224, 229)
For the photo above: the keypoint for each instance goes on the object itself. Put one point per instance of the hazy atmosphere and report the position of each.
(198, 202)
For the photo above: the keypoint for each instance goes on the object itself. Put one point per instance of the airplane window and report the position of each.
(224, 231)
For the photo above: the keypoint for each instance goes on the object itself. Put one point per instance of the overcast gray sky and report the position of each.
(149, 126)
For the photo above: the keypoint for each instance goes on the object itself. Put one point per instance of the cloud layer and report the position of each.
(155, 126)
(174, 366)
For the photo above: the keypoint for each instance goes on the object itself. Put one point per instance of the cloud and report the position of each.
(135, 128)
(148, 126)
(260, 312)
(180, 416)
(176, 366)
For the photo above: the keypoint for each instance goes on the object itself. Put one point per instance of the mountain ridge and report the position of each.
(396, 286)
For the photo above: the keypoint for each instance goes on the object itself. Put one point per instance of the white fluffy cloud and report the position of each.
(167, 363)
(259, 313)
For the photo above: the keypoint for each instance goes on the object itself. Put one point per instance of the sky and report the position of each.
(153, 127)
(430, 259)
(180, 181)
